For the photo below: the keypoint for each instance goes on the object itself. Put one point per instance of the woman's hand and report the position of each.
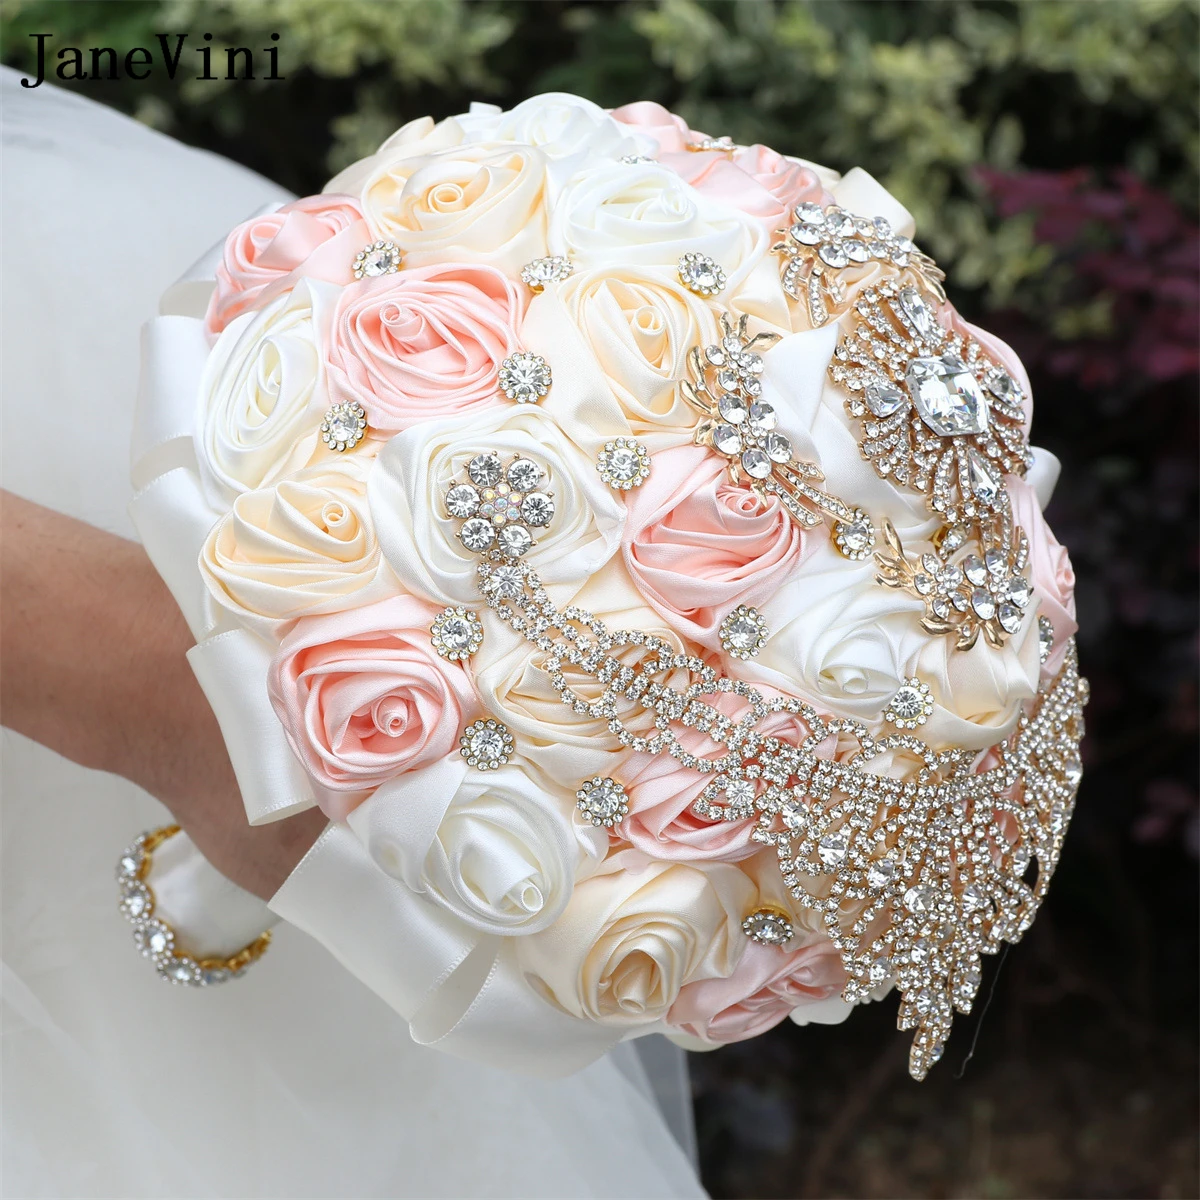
(92, 664)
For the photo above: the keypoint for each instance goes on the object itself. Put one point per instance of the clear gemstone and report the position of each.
(947, 396)
(833, 254)
(917, 309)
(602, 800)
(974, 569)
(180, 970)
(135, 900)
(921, 950)
(462, 501)
(524, 475)
(515, 540)
(456, 632)
(741, 633)
(762, 419)
(623, 464)
(537, 509)
(778, 448)
(727, 439)
(379, 260)
(995, 560)
(728, 380)
(983, 480)
(732, 408)
(768, 928)
(158, 938)
(1003, 387)
(831, 849)
(973, 897)
(793, 815)
(884, 399)
(1020, 861)
(1045, 638)
(920, 899)
(542, 271)
(130, 862)
(880, 969)
(983, 604)
(342, 423)
(809, 214)
(808, 235)
(477, 534)
(856, 251)
(857, 536)
(699, 273)
(1009, 617)
(485, 470)
(908, 703)
(881, 873)
(925, 1001)
(883, 227)
(1073, 770)
(750, 363)
(841, 224)
(1019, 591)
(739, 791)
(756, 464)
(486, 744)
(212, 976)
(525, 378)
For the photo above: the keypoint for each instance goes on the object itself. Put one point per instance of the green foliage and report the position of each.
(918, 94)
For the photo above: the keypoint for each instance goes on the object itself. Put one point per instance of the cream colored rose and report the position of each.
(640, 323)
(419, 538)
(642, 214)
(263, 392)
(498, 849)
(419, 137)
(472, 203)
(302, 546)
(634, 933)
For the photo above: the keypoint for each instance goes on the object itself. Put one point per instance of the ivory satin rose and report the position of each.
(497, 849)
(302, 546)
(634, 933)
(315, 236)
(419, 539)
(423, 344)
(415, 139)
(363, 696)
(697, 546)
(479, 203)
(262, 393)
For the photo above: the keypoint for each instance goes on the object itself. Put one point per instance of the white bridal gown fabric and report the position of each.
(295, 1080)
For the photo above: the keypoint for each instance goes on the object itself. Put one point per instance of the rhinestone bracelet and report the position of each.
(155, 938)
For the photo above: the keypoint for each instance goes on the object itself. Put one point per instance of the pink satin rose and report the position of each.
(315, 236)
(1049, 569)
(644, 116)
(765, 986)
(697, 546)
(363, 696)
(423, 344)
(661, 791)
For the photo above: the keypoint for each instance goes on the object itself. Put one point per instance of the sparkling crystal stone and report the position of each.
(751, 386)
(884, 399)
(456, 632)
(908, 703)
(1018, 590)
(1002, 385)
(506, 582)
(808, 235)
(515, 540)
(180, 970)
(925, 1001)
(881, 873)
(768, 927)
(462, 501)
(130, 862)
(756, 464)
(831, 849)
(856, 251)
(1073, 770)
(920, 899)
(883, 227)
(537, 509)
(833, 254)
(922, 949)
(974, 569)
(158, 938)
(524, 475)
(983, 603)
(477, 534)
(917, 309)
(947, 396)
(485, 470)
(623, 464)
(1009, 617)
(740, 633)
(750, 363)
(486, 744)
(778, 447)
(728, 380)
(995, 560)
(739, 791)
(701, 274)
(984, 482)
(880, 969)
(342, 423)
(378, 260)
(856, 537)
(732, 408)
(1045, 638)
(542, 271)
(726, 439)
(525, 378)
(973, 897)
(212, 976)
(135, 900)
(953, 538)
(762, 419)
(792, 814)
(1021, 859)
(841, 224)
(809, 214)
(602, 801)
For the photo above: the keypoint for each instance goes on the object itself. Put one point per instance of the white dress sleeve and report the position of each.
(296, 1080)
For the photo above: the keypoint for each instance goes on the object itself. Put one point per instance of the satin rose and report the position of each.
(415, 469)
(497, 849)
(263, 392)
(315, 236)
(302, 546)
(1049, 570)
(765, 987)
(363, 696)
(471, 203)
(697, 546)
(423, 344)
(669, 130)
(634, 933)
(417, 138)
(642, 214)
(640, 323)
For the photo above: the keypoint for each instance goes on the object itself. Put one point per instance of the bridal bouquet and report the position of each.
(621, 538)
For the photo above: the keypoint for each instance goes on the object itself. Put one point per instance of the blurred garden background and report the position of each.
(1049, 151)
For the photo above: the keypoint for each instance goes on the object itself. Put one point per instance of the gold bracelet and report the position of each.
(155, 938)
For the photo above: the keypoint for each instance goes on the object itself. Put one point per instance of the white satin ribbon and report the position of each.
(864, 196)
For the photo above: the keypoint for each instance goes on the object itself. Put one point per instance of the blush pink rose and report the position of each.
(316, 236)
(363, 696)
(662, 790)
(1049, 569)
(644, 116)
(423, 344)
(765, 986)
(697, 546)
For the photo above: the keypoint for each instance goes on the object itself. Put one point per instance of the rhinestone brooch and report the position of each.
(486, 745)
(456, 633)
(499, 505)
(379, 258)
(912, 705)
(769, 926)
(743, 633)
(701, 274)
(603, 801)
(525, 377)
(1045, 638)
(537, 275)
(624, 463)
(344, 426)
